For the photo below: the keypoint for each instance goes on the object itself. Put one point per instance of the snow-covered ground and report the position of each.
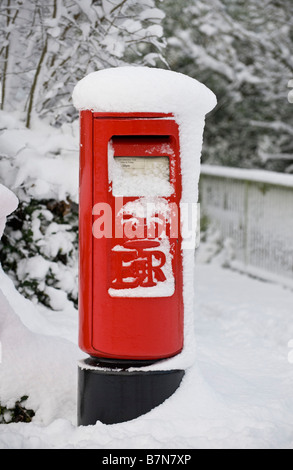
(238, 394)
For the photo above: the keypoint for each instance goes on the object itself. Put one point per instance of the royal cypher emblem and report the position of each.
(138, 263)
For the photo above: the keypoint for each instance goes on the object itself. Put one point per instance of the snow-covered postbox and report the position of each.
(140, 143)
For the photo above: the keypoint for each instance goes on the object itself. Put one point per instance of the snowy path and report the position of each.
(243, 330)
(237, 395)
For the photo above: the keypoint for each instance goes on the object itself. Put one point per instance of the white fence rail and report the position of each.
(254, 209)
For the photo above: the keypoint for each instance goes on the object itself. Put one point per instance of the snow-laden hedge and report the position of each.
(39, 247)
(39, 251)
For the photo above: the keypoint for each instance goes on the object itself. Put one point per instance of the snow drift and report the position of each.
(28, 345)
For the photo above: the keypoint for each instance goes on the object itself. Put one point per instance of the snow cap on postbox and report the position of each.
(142, 89)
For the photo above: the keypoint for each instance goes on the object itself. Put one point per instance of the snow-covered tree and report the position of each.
(46, 47)
(243, 51)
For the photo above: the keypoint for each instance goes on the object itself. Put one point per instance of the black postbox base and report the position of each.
(113, 396)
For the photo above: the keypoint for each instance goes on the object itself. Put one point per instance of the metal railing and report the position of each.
(254, 210)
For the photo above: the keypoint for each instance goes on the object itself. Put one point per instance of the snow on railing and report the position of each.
(253, 210)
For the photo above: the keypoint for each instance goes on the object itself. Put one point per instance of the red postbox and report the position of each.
(131, 305)
(140, 142)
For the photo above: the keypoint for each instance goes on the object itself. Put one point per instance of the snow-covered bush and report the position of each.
(39, 251)
(17, 414)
